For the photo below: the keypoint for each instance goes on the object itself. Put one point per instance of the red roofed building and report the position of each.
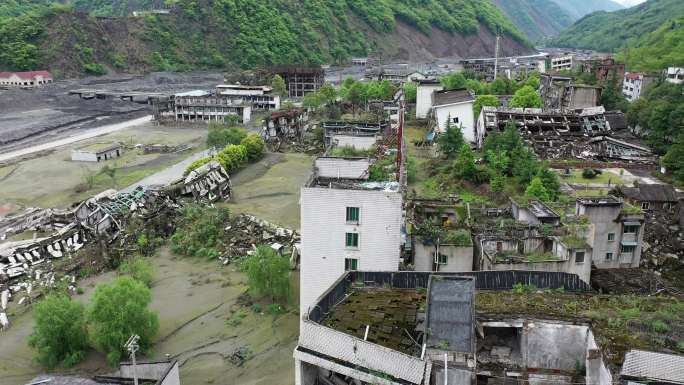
(25, 79)
(634, 85)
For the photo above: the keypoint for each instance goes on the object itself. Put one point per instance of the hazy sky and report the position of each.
(629, 3)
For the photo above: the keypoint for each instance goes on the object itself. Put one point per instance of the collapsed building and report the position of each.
(425, 328)
(203, 106)
(562, 93)
(287, 124)
(261, 98)
(509, 68)
(605, 69)
(571, 134)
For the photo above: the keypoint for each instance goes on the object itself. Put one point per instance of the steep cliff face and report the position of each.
(241, 33)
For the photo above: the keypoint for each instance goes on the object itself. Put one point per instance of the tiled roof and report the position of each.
(452, 96)
(26, 75)
(659, 367)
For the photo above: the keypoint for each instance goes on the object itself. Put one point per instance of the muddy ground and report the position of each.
(51, 180)
(30, 117)
(197, 301)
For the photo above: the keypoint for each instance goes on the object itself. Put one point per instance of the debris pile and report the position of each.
(664, 246)
(245, 232)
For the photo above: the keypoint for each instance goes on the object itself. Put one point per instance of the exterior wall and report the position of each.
(583, 97)
(83, 156)
(342, 168)
(604, 220)
(632, 89)
(562, 63)
(554, 346)
(674, 75)
(15, 81)
(424, 99)
(358, 142)
(597, 373)
(521, 214)
(458, 258)
(466, 118)
(323, 229)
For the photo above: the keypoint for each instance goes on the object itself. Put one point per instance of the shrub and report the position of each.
(268, 273)
(119, 310)
(59, 335)
(220, 135)
(139, 268)
(96, 69)
(588, 173)
(520, 288)
(254, 145)
(199, 231)
(197, 164)
(660, 326)
(232, 157)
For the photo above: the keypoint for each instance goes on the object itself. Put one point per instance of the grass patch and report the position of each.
(603, 178)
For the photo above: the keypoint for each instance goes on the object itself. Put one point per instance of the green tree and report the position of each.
(268, 273)
(464, 166)
(356, 96)
(59, 335)
(537, 190)
(278, 85)
(484, 100)
(550, 181)
(674, 159)
(313, 100)
(119, 310)
(498, 87)
(497, 183)
(451, 141)
(526, 97)
(410, 92)
(524, 164)
(254, 145)
(454, 81)
(139, 268)
(220, 135)
(328, 93)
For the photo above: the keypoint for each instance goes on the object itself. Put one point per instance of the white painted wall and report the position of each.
(424, 99)
(358, 142)
(323, 229)
(464, 113)
(458, 258)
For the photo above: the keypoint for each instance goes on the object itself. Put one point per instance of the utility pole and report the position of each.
(496, 53)
(132, 346)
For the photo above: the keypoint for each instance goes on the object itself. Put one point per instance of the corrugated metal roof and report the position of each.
(661, 367)
(450, 313)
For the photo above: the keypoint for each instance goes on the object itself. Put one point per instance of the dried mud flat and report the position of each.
(31, 117)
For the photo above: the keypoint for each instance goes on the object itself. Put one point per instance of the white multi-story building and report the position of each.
(675, 75)
(260, 97)
(634, 85)
(347, 223)
(424, 96)
(561, 63)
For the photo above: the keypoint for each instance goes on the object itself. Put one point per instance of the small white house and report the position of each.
(424, 96)
(28, 79)
(454, 107)
(675, 75)
(96, 152)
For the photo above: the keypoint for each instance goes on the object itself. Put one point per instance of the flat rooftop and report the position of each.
(396, 317)
(608, 200)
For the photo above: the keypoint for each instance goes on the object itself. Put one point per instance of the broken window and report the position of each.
(645, 205)
(353, 214)
(609, 256)
(352, 240)
(611, 236)
(455, 120)
(579, 257)
(351, 264)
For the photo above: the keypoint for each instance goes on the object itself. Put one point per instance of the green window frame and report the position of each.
(351, 264)
(352, 240)
(353, 214)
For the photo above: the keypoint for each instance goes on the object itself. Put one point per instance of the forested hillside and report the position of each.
(653, 27)
(579, 8)
(246, 33)
(541, 19)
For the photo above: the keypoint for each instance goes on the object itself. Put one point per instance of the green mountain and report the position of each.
(579, 8)
(247, 33)
(538, 19)
(606, 31)
(541, 19)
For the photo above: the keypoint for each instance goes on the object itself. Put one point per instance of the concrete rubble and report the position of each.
(245, 232)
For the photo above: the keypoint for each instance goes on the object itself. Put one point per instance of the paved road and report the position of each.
(76, 138)
(169, 174)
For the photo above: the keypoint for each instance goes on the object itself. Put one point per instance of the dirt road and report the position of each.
(76, 138)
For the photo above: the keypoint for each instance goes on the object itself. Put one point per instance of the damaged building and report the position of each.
(285, 124)
(514, 68)
(360, 135)
(562, 93)
(439, 240)
(300, 80)
(651, 197)
(453, 108)
(348, 223)
(425, 328)
(571, 134)
(605, 69)
(261, 98)
(196, 106)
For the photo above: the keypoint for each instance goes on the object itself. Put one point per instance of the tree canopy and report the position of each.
(59, 335)
(268, 273)
(120, 309)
